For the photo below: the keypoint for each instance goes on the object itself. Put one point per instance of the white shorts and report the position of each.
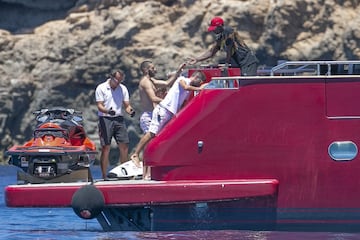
(145, 120)
(160, 117)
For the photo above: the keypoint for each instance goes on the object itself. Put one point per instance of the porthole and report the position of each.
(343, 150)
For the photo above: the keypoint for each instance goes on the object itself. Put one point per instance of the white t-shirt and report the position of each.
(176, 96)
(112, 98)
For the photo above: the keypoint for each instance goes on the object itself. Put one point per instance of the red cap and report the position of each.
(215, 22)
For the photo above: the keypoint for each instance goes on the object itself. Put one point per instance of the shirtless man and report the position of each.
(152, 91)
(169, 106)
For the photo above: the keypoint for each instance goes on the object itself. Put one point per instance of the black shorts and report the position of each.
(110, 127)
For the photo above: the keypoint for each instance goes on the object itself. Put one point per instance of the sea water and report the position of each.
(62, 223)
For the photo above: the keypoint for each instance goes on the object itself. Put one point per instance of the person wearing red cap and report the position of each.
(238, 54)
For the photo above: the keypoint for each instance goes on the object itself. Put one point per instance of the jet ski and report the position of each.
(59, 151)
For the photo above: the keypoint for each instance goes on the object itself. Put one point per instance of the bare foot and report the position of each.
(146, 173)
(136, 160)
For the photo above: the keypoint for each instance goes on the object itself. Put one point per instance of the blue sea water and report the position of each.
(62, 223)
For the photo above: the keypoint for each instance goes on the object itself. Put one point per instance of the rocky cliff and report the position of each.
(54, 53)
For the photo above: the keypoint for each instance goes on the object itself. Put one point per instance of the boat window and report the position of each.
(223, 83)
(346, 69)
(343, 150)
(356, 69)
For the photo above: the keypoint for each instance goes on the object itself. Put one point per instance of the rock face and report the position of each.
(54, 53)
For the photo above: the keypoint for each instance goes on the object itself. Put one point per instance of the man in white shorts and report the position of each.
(151, 91)
(169, 106)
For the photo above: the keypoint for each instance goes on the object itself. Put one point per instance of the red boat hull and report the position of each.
(142, 192)
(165, 205)
(268, 129)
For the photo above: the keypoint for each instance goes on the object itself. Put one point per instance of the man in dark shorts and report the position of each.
(111, 96)
(237, 52)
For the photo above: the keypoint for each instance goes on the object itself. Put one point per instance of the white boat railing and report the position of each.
(292, 68)
(315, 68)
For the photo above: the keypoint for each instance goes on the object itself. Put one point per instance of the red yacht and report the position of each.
(277, 151)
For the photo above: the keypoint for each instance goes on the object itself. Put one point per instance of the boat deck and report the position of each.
(141, 192)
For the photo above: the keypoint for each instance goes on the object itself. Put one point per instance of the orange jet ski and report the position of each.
(59, 151)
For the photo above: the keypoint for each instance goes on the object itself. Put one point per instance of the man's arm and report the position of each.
(101, 107)
(206, 55)
(172, 78)
(129, 109)
(189, 87)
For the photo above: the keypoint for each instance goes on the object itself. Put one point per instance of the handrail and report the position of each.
(293, 68)
(304, 64)
(311, 68)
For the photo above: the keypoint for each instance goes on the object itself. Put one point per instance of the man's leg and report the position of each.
(153, 129)
(104, 159)
(123, 152)
(122, 139)
(140, 146)
(105, 142)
